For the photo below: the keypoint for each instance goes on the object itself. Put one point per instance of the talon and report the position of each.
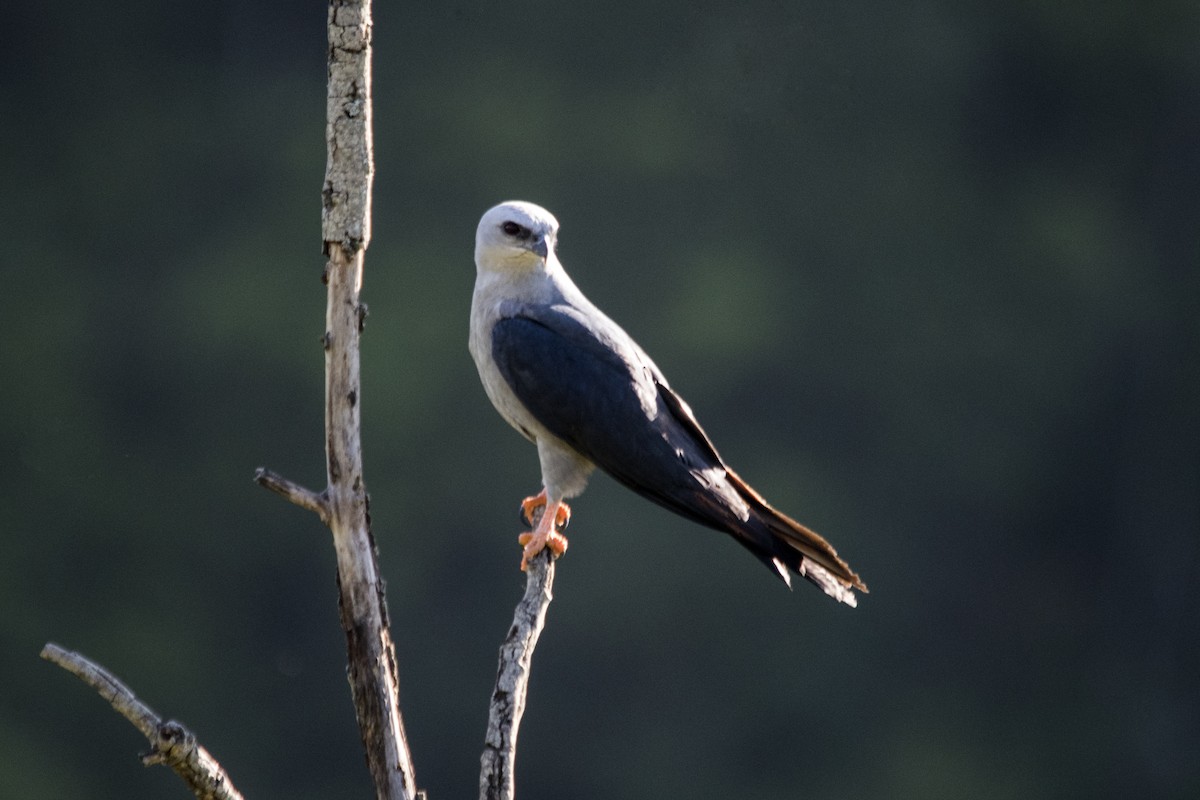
(533, 545)
(545, 533)
(530, 505)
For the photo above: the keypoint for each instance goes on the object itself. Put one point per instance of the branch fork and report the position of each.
(171, 744)
(316, 502)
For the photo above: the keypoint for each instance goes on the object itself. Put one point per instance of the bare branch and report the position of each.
(350, 167)
(305, 498)
(371, 670)
(343, 505)
(497, 778)
(171, 743)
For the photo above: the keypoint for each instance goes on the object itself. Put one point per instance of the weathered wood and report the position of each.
(305, 498)
(350, 164)
(371, 669)
(171, 744)
(343, 505)
(497, 778)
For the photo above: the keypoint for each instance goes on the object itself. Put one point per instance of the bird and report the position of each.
(574, 383)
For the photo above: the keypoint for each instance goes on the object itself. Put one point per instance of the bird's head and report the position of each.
(515, 237)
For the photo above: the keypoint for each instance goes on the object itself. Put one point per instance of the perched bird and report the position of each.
(576, 385)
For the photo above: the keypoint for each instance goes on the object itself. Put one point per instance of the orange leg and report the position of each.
(545, 533)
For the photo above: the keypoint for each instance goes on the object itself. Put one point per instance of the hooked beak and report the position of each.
(538, 246)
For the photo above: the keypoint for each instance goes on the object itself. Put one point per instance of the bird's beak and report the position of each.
(538, 246)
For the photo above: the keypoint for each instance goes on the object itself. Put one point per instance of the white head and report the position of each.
(516, 237)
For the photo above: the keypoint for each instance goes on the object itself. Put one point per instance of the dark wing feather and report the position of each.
(603, 401)
(598, 393)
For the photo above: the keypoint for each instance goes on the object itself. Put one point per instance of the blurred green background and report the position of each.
(928, 273)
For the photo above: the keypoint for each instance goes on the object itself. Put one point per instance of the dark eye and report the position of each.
(513, 229)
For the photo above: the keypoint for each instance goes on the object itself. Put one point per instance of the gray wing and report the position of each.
(604, 399)
(592, 387)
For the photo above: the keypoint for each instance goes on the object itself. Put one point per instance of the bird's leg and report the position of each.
(531, 504)
(545, 532)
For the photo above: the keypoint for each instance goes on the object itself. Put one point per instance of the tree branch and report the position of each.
(350, 164)
(343, 506)
(497, 778)
(305, 498)
(171, 743)
(374, 683)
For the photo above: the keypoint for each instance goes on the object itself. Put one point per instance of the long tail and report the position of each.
(790, 546)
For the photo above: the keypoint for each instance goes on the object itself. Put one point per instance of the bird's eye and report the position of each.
(513, 229)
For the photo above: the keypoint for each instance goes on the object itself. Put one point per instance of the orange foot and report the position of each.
(529, 505)
(545, 533)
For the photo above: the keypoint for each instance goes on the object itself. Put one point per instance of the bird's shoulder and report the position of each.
(580, 327)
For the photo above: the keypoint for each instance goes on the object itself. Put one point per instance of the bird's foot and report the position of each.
(534, 544)
(545, 532)
(530, 506)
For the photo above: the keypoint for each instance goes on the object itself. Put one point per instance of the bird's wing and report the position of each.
(592, 387)
(588, 384)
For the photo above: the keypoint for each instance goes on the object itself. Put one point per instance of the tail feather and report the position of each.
(793, 546)
(828, 583)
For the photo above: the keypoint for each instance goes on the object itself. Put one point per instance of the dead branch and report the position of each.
(297, 494)
(497, 778)
(343, 505)
(171, 744)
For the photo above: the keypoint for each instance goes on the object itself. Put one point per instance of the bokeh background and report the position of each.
(928, 273)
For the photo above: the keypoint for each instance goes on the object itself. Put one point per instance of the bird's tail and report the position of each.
(793, 547)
